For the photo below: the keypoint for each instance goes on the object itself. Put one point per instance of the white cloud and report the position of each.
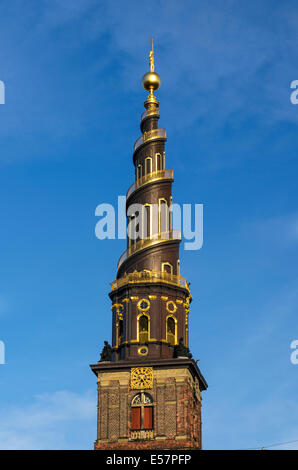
(62, 420)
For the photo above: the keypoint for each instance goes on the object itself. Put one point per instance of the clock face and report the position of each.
(141, 377)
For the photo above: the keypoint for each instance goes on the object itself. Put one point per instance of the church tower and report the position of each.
(149, 387)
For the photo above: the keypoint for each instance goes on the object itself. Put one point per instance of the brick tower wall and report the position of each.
(177, 411)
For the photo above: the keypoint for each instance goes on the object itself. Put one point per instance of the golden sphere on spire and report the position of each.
(151, 81)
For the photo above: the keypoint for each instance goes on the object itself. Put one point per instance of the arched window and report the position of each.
(147, 230)
(163, 216)
(171, 330)
(171, 214)
(143, 328)
(148, 165)
(159, 162)
(167, 268)
(142, 412)
(132, 231)
(139, 172)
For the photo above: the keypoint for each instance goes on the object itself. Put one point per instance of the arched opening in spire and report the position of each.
(163, 216)
(143, 328)
(139, 171)
(159, 162)
(171, 330)
(148, 165)
(147, 218)
(167, 268)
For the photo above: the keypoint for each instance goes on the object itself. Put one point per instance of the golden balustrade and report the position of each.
(150, 135)
(150, 276)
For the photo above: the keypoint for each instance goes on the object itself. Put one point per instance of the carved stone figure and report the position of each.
(106, 353)
(181, 350)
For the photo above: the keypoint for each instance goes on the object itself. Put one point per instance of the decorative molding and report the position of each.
(119, 310)
(143, 351)
(141, 303)
(171, 306)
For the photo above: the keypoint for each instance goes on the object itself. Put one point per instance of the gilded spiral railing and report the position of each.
(146, 242)
(150, 135)
(149, 178)
(150, 112)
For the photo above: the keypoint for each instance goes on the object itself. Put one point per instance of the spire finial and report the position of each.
(151, 80)
(151, 57)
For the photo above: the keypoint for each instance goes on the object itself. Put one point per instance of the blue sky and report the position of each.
(72, 72)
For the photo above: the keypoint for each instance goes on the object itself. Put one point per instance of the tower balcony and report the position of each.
(147, 242)
(151, 276)
(149, 178)
(152, 111)
(150, 135)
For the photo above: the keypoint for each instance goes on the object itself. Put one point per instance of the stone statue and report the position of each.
(181, 350)
(106, 353)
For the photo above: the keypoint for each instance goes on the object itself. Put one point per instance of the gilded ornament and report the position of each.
(141, 378)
